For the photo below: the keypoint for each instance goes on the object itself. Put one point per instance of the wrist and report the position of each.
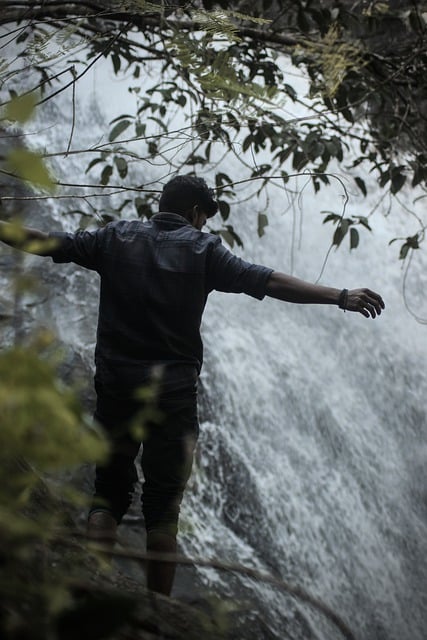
(343, 299)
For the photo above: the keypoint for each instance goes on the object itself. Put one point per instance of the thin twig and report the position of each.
(418, 318)
(73, 71)
(71, 195)
(118, 187)
(101, 147)
(293, 590)
(89, 66)
(47, 80)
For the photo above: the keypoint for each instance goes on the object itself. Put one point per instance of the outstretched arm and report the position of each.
(290, 289)
(26, 239)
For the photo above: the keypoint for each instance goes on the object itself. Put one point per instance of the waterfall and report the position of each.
(312, 454)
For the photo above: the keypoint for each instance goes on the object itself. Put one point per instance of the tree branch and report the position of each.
(294, 590)
(59, 10)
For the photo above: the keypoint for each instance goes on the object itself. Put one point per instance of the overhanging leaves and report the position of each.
(21, 108)
(118, 129)
(262, 223)
(30, 166)
(226, 67)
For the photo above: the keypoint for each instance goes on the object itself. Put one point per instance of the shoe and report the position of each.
(102, 527)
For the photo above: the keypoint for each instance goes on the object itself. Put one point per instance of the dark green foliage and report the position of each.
(225, 63)
(43, 432)
(412, 242)
(95, 615)
(345, 225)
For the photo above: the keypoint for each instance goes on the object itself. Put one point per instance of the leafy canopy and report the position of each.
(228, 65)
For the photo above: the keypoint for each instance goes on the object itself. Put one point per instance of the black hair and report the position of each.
(183, 192)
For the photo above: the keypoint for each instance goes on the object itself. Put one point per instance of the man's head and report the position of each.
(190, 197)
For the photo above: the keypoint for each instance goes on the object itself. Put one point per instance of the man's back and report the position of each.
(155, 279)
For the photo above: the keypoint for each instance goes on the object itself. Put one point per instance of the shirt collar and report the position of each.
(172, 218)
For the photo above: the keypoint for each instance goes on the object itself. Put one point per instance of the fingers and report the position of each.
(366, 302)
(373, 303)
(370, 310)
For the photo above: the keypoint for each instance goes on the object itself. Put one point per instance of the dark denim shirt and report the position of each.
(155, 279)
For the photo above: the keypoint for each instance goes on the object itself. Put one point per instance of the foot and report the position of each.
(102, 527)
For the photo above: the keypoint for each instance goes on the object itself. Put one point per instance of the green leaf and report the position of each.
(116, 62)
(230, 236)
(331, 216)
(364, 222)
(232, 121)
(262, 223)
(290, 91)
(106, 174)
(161, 124)
(341, 231)
(224, 209)
(195, 159)
(418, 174)
(354, 238)
(261, 170)
(21, 108)
(404, 251)
(221, 179)
(92, 163)
(397, 181)
(299, 160)
(118, 129)
(363, 145)
(122, 166)
(152, 148)
(22, 36)
(384, 178)
(361, 184)
(347, 115)
(121, 117)
(247, 142)
(140, 128)
(29, 165)
(143, 208)
(413, 241)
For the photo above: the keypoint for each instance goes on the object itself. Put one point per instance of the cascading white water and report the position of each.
(313, 448)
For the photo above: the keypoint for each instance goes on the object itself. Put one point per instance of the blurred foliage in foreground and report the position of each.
(52, 585)
(43, 431)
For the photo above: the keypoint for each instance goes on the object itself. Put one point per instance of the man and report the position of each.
(155, 279)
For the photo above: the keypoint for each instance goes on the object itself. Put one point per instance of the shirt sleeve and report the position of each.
(81, 247)
(231, 274)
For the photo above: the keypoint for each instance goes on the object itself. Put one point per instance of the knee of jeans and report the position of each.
(120, 466)
(161, 510)
(166, 523)
(115, 484)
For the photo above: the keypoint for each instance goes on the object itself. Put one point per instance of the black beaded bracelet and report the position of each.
(342, 300)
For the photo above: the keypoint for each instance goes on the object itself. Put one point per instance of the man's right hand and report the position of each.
(365, 301)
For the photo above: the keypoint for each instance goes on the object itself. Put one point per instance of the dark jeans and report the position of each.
(164, 419)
